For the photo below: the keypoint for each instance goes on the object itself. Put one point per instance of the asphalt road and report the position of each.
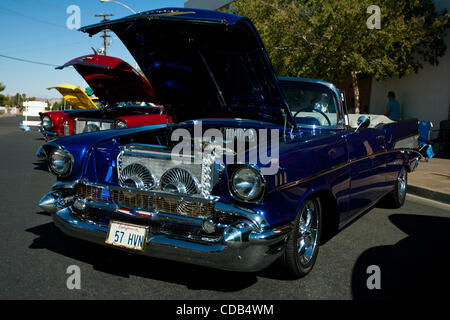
(410, 246)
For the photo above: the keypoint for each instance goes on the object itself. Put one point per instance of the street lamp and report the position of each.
(124, 5)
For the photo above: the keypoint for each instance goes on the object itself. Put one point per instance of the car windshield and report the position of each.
(311, 103)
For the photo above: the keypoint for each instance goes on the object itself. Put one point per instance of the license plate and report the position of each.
(127, 236)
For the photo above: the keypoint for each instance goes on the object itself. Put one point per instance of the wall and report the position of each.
(425, 95)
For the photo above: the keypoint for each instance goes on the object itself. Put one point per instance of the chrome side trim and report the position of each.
(252, 215)
(337, 167)
(65, 184)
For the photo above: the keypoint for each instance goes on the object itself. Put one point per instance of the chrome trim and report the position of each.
(95, 120)
(145, 151)
(65, 184)
(49, 202)
(66, 128)
(242, 254)
(219, 207)
(402, 183)
(257, 218)
(51, 122)
(191, 197)
(416, 164)
(63, 149)
(231, 187)
(163, 163)
(308, 226)
(48, 133)
(337, 167)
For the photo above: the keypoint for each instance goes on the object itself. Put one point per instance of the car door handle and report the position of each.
(381, 137)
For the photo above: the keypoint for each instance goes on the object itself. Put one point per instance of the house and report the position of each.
(32, 109)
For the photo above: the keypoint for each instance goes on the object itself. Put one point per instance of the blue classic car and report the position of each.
(313, 169)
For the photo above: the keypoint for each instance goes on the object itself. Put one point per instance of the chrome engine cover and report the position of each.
(136, 161)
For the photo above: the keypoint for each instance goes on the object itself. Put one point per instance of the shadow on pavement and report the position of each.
(416, 267)
(122, 264)
(41, 165)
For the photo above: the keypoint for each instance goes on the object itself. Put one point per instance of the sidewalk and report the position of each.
(431, 180)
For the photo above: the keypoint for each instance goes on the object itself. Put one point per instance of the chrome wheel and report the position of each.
(308, 226)
(401, 184)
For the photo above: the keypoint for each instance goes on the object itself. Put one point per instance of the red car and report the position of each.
(119, 87)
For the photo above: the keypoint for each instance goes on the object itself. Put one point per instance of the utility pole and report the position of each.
(105, 32)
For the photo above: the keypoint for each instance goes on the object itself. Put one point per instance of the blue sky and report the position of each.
(36, 30)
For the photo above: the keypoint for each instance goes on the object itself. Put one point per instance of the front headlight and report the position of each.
(60, 162)
(47, 123)
(247, 184)
(120, 124)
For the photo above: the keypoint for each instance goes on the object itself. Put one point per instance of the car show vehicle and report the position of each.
(124, 188)
(118, 86)
(76, 97)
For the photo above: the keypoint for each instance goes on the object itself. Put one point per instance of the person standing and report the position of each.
(392, 107)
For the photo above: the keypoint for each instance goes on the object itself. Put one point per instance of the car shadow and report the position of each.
(41, 165)
(417, 267)
(123, 264)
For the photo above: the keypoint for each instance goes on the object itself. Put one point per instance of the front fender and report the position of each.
(80, 144)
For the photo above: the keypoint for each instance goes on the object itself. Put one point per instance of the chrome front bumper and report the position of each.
(47, 134)
(242, 246)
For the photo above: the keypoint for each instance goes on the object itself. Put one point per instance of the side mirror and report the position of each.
(363, 122)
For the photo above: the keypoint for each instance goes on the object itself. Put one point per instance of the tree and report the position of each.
(3, 99)
(330, 40)
(17, 102)
(59, 105)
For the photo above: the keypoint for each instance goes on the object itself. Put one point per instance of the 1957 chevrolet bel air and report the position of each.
(210, 69)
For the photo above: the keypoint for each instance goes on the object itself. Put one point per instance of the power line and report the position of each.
(37, 49)
(29, 61)
(32, 18)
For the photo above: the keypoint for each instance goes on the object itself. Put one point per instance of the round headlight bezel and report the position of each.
(258, 178)
(47, 126)
(65, 156)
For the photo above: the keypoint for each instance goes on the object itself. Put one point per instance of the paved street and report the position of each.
(410, 245)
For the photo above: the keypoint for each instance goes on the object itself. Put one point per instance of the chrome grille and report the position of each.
(148, 202)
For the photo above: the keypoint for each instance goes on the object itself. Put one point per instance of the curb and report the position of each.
(429, 194)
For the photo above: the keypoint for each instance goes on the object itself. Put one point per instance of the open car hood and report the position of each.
(112, 79)
(203, 64)
(75, 96)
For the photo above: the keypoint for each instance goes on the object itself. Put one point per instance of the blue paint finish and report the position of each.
(356, 168)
